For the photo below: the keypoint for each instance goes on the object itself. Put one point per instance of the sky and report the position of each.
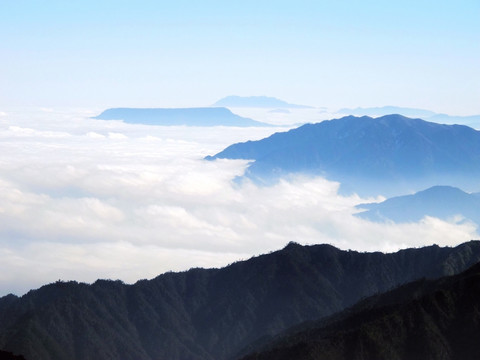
(100, 54)
(82, 199)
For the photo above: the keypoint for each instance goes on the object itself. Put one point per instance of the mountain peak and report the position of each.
(441, 201)
(387, 155)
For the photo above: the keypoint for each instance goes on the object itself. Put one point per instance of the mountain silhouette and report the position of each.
(209, 314)
(389, 155)
(206, 116)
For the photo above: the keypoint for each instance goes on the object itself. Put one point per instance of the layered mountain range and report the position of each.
(389, 155)
(211, 313)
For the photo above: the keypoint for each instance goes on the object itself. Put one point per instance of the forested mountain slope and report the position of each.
(210, 313)
(428, 320)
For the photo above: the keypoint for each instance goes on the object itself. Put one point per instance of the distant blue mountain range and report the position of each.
(205, 116)
(389, 155)
(257, 102)
(442, 202)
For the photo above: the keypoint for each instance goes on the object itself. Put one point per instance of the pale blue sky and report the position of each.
(98, 54)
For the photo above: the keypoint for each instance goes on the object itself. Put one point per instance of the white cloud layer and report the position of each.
(84, 199)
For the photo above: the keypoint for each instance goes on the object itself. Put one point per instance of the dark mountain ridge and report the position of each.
(389, 155)
(210, 313)
(425, 319)
(206, 116)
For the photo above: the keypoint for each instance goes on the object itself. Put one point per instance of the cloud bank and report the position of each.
(83, 199)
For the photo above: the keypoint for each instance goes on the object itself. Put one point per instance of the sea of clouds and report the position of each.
(82, 199)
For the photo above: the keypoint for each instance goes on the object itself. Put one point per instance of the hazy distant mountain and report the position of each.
(442, 202)
(388, 155)
(422, 320)
(210, 314)
(208, 116)
(473, 120)
(257, 102)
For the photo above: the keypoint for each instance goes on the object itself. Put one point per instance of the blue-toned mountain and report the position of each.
(389, 155)
(204, 116)
(442, 202)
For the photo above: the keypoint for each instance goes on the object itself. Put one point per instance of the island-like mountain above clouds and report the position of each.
(203, 116)
(389, 155)
(437, 319)
(443, 202)
(472, 120)
(205, 314)
(257, 102)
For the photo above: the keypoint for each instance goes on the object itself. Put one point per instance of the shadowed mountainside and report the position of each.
(389, 155)
(210, 313)
(428, 320)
